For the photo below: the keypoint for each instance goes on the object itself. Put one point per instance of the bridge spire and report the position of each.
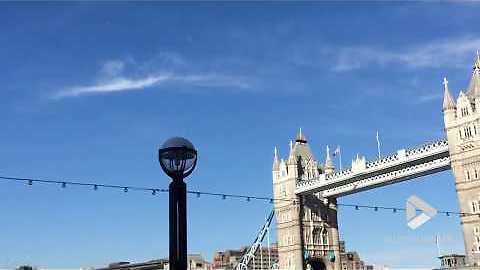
(477, 61)
(329, 168)
(300, 137)
(448, 102)
(276, 162)
(474, 85)
(291, 155)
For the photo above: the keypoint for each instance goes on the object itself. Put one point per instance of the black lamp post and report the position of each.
(178, 159)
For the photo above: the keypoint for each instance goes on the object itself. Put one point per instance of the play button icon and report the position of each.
(427, 212)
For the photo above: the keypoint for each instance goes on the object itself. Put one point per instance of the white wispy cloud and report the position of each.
(112, 79)
(426, 98)
(114, 85)
(113, 67)
(453, 52)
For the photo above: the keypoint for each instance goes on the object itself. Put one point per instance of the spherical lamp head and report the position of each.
(177, 157)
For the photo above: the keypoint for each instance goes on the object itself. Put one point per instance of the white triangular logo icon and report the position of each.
(427, 212)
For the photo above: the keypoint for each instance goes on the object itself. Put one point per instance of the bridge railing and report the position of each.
(382, 161)
(389, 176)
(427, 147)
(385, 161)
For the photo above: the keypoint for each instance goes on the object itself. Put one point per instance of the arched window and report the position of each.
(307, 214)
(283, 190)
(474, 206)
(308, 237)
(325, 237)
(316, 235)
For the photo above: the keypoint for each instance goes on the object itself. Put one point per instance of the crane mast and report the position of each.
(250, 254)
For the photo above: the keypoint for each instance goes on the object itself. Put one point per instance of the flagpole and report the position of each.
(438, 245)
(340, 158)
(378, 145)
(338, 152)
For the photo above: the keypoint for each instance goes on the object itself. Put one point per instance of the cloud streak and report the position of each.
(428, 98)
(434, 54)
(112, 80)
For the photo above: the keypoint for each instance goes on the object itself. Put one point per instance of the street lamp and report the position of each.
(178, 159)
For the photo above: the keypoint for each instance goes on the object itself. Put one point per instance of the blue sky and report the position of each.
(90, 91)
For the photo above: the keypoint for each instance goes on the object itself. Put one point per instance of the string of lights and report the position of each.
(198, 194)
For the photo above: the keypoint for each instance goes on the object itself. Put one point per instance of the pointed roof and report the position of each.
(300, 137)
(473, 90)
(448, 101)
(299, 149)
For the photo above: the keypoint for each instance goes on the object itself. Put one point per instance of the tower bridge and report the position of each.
(307, 232)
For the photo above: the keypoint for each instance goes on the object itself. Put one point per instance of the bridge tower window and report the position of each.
(308, 237)
(283, 190)
(325, 237)
(316, 236)
(475, 206)
(467, 131)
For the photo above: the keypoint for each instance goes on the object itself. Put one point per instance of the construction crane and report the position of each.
(249, 255)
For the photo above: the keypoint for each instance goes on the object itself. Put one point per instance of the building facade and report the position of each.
(307, 229)
(265, 258)
(149, 265)
(462, 125)
(195, 262)
(228, 259)
(351, 260)
(452, 261)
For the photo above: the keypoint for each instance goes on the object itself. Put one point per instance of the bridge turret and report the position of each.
(359, 164)
(329, 167)
(291, 161)
(276, 165)
(473, 91)
(276, 161)
(461, 125)
(448, 101)
(308, 225)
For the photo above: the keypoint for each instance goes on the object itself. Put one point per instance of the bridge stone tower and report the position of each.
(462, 125)
(307, 228)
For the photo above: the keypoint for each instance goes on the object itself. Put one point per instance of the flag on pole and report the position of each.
(378, 144)
(337, 151)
